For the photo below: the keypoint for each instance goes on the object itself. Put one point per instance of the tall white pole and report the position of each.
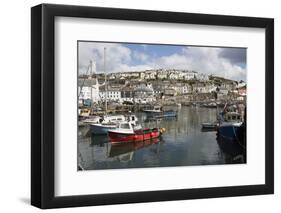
(105, 80)
(91, 69)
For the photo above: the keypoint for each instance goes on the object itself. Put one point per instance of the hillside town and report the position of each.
(187, 116)
(151, 86)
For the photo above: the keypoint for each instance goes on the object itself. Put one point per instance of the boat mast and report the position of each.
(105, 80)
(91, 88)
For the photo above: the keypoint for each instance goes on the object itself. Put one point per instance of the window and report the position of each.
(125, 126)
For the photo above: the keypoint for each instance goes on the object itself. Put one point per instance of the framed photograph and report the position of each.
(136, 106)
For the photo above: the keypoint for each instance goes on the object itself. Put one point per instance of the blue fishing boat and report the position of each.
(157, 112)
(231, 132)
(229, 125)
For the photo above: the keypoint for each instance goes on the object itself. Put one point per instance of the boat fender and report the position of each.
(162, 130)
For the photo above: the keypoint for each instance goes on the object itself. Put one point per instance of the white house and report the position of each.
(161, 74)
(127, 94)
(241, 84)
(190, 75)
(144, 94)
(150, 74)
(113, 94)
(88, 89)
(186, 88)
(202, 77)
(173, 75)
(85, 93)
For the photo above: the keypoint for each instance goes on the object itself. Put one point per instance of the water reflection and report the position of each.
(233, 149)
(99, 140)
(117, 149)
(128, 149)
(182, 144)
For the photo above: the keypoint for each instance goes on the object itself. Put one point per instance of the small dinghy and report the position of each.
(209, 126)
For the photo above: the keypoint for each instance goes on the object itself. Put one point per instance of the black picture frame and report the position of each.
(43, 105)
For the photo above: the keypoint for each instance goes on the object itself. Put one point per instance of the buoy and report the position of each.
(162, 130)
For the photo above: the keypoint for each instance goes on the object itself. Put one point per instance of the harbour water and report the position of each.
(183, 144)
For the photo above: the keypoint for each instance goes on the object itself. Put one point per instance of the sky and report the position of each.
(123, 57)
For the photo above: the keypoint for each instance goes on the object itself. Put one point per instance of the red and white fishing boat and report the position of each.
(128, 132)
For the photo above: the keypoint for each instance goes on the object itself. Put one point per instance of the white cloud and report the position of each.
(116, 55)
(120, 58)
(140, 56)
(127, 68)
(208, 60)
(204, 60)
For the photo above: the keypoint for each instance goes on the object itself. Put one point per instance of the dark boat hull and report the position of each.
(229, 132)
(101, 130)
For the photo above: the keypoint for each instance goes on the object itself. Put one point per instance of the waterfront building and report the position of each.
(186, 88)
(242, 91)
(88, 89)
(113, 93)
(222, 94)
(170, 92)
(158, 90)
(199, 87)
(241, 84)
(127, 94)
(143, 94)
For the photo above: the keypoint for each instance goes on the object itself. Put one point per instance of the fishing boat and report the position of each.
(231, 132)
(229, 125)
(91, 120)
(110, 122)
(155, 109)
(157, 112)
(102, 129)
(128, 132)
(210, 105)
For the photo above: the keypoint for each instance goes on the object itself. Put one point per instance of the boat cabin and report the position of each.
(232, 117)
(129, 125)
(154, 109)
(84, 112)
(113, 119)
